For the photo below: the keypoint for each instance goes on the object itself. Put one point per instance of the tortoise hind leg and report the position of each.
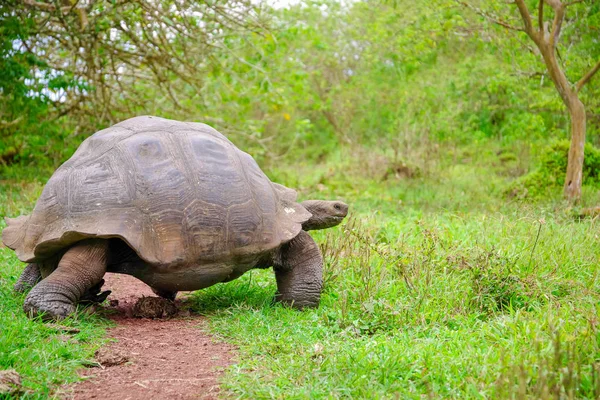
(299, 272)
(32, 275)
(79, 270)
(28, 279)
(165, 294)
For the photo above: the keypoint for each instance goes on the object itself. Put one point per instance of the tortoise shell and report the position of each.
(175, 192)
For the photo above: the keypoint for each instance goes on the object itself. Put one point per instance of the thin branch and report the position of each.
(526, 17)
(45, 6)
(162, 46)
(541, 16)
(7, 124)
(490, 17)
(559, 16)
(586, 78)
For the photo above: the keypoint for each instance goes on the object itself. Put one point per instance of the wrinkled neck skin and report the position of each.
(325, 214)
(316, 222)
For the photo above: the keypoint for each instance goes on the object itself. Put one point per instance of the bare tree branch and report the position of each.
(548, 47)
(559, 16)
(586, 78)
(45, 6)
(110, 51)
(541, 16)
(490, 17)
(7, 124)
(526, 17)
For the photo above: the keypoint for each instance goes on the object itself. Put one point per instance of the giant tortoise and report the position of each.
(174, 204)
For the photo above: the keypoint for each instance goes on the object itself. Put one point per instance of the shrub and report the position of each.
(496, 288)
(550, 175)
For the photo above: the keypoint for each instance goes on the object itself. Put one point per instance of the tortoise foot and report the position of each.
(48, 304)
(300, 304)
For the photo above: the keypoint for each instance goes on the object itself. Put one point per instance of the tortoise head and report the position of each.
(325, 214)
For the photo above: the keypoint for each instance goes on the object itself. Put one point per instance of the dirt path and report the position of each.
(152, 359)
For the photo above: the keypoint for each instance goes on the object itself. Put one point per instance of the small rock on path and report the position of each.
(152, 359)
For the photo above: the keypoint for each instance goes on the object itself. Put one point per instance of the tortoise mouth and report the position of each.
(337, 219)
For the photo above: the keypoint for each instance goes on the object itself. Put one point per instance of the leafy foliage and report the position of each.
(322, 75)
(550, 175)
(71, 69)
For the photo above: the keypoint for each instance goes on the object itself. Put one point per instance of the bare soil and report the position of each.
(152, 358)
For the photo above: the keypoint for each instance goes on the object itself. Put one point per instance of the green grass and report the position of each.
(44, 355)
(437, 286)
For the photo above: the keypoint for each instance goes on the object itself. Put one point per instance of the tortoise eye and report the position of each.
(337, 207)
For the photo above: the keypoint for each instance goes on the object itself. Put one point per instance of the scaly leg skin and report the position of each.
(79, 270)
(28, 279)
(165, 294)
(299, 272)
(31, 276)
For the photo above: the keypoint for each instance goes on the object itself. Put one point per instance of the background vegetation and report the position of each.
(461, 274)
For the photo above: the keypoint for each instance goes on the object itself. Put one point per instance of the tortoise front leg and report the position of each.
(28, 279)
(80, 269)
(299, 272)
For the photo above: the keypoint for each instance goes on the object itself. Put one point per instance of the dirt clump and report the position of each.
(10, 382)
(110, 358)
(154, 307)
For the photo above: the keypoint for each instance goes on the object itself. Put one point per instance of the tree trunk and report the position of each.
(546, 39)
(574, 176)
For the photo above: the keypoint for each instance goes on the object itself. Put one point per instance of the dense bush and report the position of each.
(322, 75)
(550, 175)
